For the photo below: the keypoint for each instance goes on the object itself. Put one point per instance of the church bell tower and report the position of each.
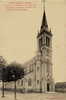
(44, 38)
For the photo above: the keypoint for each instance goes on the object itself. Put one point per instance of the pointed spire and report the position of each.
(44, 26)
(44, 21)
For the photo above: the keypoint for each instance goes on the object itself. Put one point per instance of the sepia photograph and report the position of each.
(32, 50)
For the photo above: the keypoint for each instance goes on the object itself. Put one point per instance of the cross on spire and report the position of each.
(43, 1)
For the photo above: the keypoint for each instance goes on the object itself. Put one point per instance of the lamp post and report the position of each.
(3, 70)
(3, 89)
(14, 77)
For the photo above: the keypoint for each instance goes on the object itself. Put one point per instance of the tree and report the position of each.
(10, 72)
(14, 72)
(2, 72)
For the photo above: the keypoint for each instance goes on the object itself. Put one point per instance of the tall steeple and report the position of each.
(44, 40)
(44, 20)
(44, 29)
(44, 35)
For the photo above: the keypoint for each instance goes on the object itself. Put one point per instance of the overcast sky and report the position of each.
(18, 31)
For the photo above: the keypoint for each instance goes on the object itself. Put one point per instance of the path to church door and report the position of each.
(48, 87)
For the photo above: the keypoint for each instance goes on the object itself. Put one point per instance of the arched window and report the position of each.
(29, 82)
(38, 68)
(21, 82)
(47, 41)
(40, 42)
(37, 81)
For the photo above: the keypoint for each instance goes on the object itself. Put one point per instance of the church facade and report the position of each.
(39, 71)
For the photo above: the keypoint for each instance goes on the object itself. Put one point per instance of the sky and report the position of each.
(19, 28)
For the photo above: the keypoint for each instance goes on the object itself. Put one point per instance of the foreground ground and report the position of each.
(34, 96)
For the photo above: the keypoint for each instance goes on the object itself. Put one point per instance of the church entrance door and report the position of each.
(48, 87)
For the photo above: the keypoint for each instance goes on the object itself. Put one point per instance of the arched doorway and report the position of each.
(48, 87)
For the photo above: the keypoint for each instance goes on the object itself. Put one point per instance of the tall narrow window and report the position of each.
(21, 82)
(37, 81)
(40, 42)
(29, 82)
(47, 67)
(38, 68)
(47, 41)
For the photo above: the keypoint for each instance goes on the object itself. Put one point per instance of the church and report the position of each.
(39, 71)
